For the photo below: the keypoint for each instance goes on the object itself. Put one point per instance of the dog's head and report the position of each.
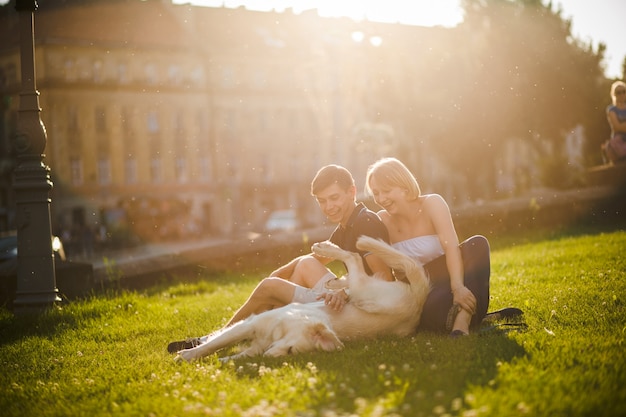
(306, 338)
(323, 338)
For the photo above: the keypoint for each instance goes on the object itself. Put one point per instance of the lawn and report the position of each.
(106, 355)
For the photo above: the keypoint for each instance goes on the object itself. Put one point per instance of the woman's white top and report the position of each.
(421, 248)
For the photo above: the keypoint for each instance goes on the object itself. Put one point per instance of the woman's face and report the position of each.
(390, 198)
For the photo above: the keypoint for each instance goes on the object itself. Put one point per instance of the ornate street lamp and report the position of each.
(36, 282)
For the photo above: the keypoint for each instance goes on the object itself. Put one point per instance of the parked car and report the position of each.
(282, 221)
(73, 279)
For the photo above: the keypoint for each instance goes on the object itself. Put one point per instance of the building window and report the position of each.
(181, 170)
(197, 76)
(76, 168)
(155, 169)
(153, 122)
(228, 77)
(100, 119)
(174, 74)
(97, 71)
(85, 68)
(151, 74)
(104, 171)
(131, 170)
(126, 120)
(122, 73)
(72, 118)
(178, 122)
(202, 122)
(259, 79)
(205, 168)
(262, 120)
(229, 121)
(266, 169)
(70, 70)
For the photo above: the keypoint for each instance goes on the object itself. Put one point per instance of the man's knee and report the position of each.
(309, 264)
(267, 287)
(308, 271)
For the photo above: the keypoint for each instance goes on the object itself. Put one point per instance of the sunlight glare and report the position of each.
(417, 12)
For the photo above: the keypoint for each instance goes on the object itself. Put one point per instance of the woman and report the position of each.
(421, 226)
(615, 148)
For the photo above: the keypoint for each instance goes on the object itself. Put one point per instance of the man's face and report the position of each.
(336, 203)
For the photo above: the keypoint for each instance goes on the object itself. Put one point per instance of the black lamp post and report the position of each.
(36, 282)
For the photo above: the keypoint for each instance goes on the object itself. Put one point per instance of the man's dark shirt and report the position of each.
(362, 222)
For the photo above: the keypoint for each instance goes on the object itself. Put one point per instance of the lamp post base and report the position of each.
(34, 303)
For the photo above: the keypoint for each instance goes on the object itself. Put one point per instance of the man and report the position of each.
(303, 280)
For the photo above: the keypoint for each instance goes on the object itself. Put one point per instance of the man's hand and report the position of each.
(335, 299)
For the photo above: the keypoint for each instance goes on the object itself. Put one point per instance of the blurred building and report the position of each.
(172, 120)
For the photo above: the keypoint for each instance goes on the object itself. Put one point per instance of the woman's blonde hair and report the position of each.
(614, 87)
(390, 172)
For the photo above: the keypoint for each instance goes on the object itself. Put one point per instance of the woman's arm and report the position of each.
(616, 124)
(378, 267)
(439, 214)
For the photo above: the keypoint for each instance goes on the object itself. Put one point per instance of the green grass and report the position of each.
(106, 355)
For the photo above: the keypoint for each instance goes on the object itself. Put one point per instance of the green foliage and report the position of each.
(512, 71)
(106, 355)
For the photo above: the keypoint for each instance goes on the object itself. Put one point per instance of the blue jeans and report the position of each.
(477, 268)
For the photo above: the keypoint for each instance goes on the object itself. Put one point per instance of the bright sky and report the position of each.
(596, 21)
(592, 20)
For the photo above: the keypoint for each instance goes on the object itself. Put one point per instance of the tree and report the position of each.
(520, 74)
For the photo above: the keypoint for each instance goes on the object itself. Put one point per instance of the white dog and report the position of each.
(376, 307)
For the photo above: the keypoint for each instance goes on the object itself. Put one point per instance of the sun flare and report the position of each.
(419, 12)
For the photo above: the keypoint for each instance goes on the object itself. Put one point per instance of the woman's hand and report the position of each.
(335, 299)
(465, 299)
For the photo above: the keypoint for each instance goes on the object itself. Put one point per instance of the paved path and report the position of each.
(158, 257)
(152, 250)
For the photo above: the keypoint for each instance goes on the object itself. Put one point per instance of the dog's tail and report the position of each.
(397, 260)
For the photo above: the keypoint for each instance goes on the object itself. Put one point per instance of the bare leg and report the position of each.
(270, 293)
(308, 272)
(462, 321)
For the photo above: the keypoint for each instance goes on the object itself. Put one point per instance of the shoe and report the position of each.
(455, 334)
(174, 347)
(505, 313)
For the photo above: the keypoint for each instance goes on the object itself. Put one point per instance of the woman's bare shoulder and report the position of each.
(434, 204)
(433, 199)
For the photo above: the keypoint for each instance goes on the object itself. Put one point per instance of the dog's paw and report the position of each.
(326, 249)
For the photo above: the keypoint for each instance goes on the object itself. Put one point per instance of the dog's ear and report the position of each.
(324, 338)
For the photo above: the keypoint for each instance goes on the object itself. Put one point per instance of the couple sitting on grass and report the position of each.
(419, 225)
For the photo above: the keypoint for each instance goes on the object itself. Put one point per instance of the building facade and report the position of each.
(166, 121)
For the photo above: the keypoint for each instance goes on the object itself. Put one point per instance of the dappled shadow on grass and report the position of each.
(47, 323)
(105, 302)
(408, 375)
